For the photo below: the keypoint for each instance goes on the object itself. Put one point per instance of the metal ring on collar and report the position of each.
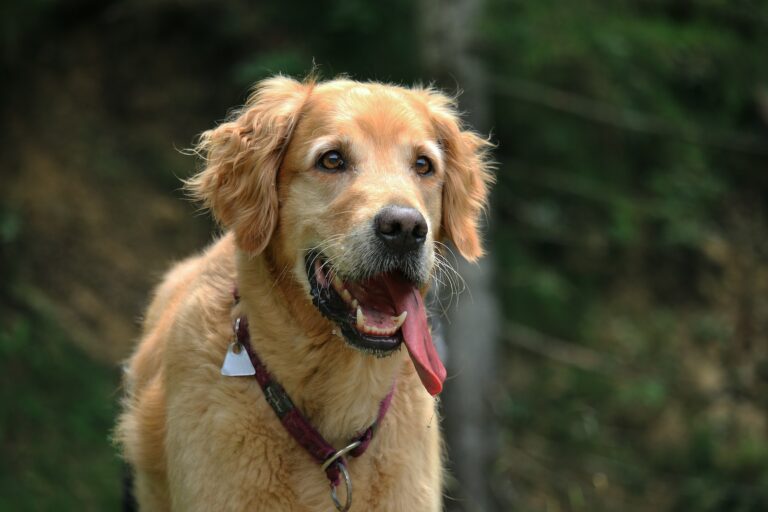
(348, 485)
(339, 454)
(236, 326)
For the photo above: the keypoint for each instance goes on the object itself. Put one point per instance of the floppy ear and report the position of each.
(468, 176)
(242, 157)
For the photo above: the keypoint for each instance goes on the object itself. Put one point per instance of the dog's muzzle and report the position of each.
(380, 305)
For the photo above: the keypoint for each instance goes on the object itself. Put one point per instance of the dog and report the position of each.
(336, 199)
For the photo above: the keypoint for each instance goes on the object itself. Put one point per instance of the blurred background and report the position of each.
(617, 334)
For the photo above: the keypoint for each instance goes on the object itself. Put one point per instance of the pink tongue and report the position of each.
(416, 333)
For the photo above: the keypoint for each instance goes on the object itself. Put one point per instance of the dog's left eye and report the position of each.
(423, 166)
(331, 161)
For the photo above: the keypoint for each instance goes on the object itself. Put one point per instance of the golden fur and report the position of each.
(200, 441)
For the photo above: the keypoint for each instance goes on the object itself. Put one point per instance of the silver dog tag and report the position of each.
(237, 363)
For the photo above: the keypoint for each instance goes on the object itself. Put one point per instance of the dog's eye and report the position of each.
(331, 161)
(423, 166)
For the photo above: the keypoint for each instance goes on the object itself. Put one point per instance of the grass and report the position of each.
(57, 408)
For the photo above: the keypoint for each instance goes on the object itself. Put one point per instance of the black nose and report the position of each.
(402, 229)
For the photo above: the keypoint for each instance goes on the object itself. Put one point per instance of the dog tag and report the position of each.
(237, 363)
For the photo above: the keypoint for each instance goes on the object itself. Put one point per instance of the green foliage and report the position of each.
(628, 220)
(631, 131)
(57, 409)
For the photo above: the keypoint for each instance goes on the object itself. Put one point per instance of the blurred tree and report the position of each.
(634, 169)
(472, 325)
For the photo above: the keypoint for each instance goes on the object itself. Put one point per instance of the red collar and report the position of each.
(331, 460)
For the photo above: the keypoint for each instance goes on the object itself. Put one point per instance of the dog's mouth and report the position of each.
(377, 314)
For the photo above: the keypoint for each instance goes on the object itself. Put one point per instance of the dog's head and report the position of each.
(352, 186)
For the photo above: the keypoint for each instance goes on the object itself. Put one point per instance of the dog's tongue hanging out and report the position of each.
(418, 339)
(378, 304)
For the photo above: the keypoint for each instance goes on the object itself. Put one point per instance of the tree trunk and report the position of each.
(472, 328)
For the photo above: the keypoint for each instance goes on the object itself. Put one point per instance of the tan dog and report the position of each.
(335, 196)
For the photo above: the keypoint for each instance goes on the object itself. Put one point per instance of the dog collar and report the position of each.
(332, 461)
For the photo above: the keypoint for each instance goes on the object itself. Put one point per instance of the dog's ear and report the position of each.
(242, 157)
(468, 175)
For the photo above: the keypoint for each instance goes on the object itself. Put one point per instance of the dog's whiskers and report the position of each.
(322, 248)
(445, 270)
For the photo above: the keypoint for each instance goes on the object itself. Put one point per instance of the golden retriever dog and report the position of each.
(336, 198)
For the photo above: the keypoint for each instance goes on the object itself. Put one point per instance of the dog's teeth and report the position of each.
(399, 320)
(374, 330)
(337, 282)
(360, 319)
(346, 296)
(355, 303)
(377, 331)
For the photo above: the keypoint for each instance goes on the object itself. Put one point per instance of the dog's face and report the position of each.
(361, 182)
(351, 187)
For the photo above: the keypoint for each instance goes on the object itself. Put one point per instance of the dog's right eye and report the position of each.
(331, 161)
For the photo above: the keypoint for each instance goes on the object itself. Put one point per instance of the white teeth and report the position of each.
(360, 319)
(378, 331)
(399, 320)
(338, 285)
(346, 296)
